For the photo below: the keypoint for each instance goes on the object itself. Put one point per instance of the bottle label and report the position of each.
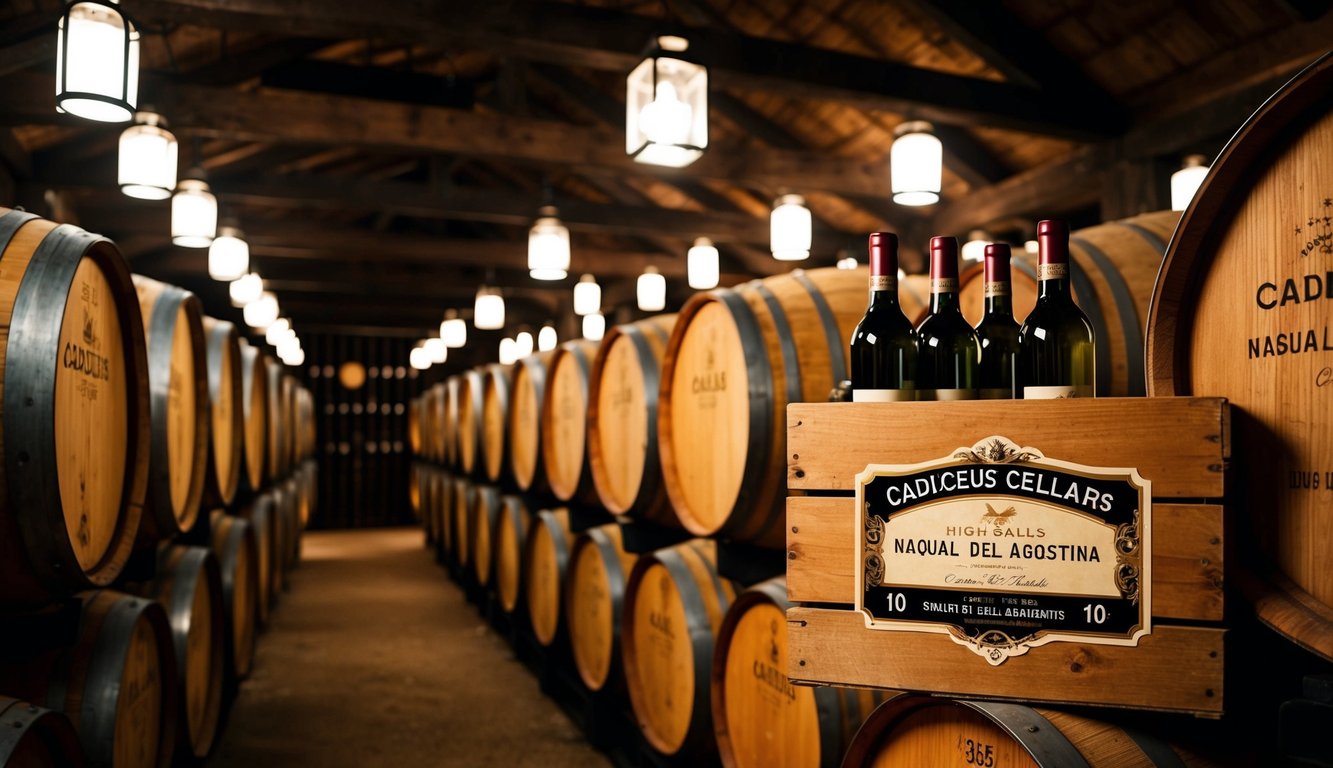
(883, 395)
(1052, 271)
(883, 282)
(998, 289)
(947, 394)
(944, 285)
(1055, 393)
(995, 393)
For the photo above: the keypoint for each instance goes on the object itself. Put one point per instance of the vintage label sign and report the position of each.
(1004, 550)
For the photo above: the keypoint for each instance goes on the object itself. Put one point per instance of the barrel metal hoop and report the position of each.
(616, 580)
(760, 390)
(832, 334)
(1158, 752)
(791, 362)
(650, 480)
(1156, 242)
(657, 331)
(701, 639)
(1047, 745)
(161, 332)
(585, 465)
(1129, 317)
(1087, 299)
(102, 687)
(18, 719)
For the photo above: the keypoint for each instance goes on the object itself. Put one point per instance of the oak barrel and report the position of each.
(912, 731)
(1113, 267)
(429, 424)
(291, 553)
(275, 441)
(471, 389)
(485, 515)
(914, 298)
(594, 595)
(178, 382)
(564, 428)
(237, 554)
(75, 409)
(306, 433)
(254, 410)
(36, 737)
(449, 449)
(495, 401)
(443, 496)
(622, 420)
(1241, 310)
(674, 605)
(526, 396)
(545, 558)
(735, 359)
(511, 533)
(226, 413)
(290, 438)
(414, 408)
(460, 513)
(259, 512)
(761, 719)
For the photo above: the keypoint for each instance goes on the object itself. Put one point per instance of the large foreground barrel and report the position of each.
(227, 413)
(494, 420)
(178, 378)
(237, 555)
(674, 604)
(34, 737)
(75, 412)
(526, 395)
(735, 359)
(545, 559)
(564, 428)
(511, 534)
(254, 410)
(622, 420)
(594, 593)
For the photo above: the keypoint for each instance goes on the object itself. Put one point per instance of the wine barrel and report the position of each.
(622, 420)
(494, 420)
(117, 681)
(254, 409)
(189, 587)
(227, 419)
(913, 731)
(414, 408)
(1241, 311)
(1113, 267)
(564, 426)
(178, 382)
(290, 514)
(485, 514)
(443, 494)
(914, 297)
(289, 436)
(75, 474)
(429, 425)
(471, 389)
(236, 551)
(310, 470)
(35, 737)
(525, 421)
(460, 514)
(545, 557)
(416, 480)
(762, 719)
(674, 605)
(449, 449)
(306, 431)
(735, 359)
(259, 513)
(511, 533)
(275, 443)
(594, 594)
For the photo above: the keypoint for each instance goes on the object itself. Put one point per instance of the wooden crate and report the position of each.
(1179, 444)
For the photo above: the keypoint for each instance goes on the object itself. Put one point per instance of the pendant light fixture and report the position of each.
(1185, 182)
(246, 289)
(97, 62)
(916, 163)
(546, 338)
(666, 105)
(436, 348)
(702, 264)
(523, 344)
(295, 357)
(146, 166)
(975, 247)
(848, 262)
(548, 246)
(453, 330)
(261, 312)
(419, 358)
(194, 212)
(277, 330)
(789, 229)
(488, 313)
(587, 296)
(594, 327)
(508, 351)
(651, 290)
(228, 254)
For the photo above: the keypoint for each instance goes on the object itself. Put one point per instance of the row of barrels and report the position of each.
(680, 419)
(701, 661)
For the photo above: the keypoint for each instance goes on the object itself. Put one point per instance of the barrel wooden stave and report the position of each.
(564, 423)
(226, 427)
(525, 421)
(485, 515)
(471, 390)
(254, 411)
(237, 555)
(263, 518)
(545, 559)
(460, 512)
(594, 595)
(495, 403)
(511, 533)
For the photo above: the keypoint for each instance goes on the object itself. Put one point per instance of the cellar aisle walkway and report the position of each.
(374, 658)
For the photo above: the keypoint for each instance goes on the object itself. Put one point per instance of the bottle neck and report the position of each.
(883, 289)
(944, 295)
(1054, 280)
(999, 300)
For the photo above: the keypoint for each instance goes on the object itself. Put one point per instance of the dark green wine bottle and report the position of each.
(884, 346)
(997, 331)
(1056, 345)
(947, 368)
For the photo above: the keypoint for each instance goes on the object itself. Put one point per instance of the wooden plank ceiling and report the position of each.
(384, 158)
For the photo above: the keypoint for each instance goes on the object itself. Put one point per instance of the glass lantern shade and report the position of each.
(287, 345)
(261, 312)
(508, 351)
(146, 168)
(789, 229)
(1185, 182)
(594, 327)
(246, 289)
(916, 163)
(97, 62)
(548, 247)
(277, 330)
(437, 350)
(587, 296)
(523, 344)
(847, 262)
(453, 330)
(294, 358)
(194, 214)
(702, 264)
(651, 290)
(488, 312)
(975, 247)
(546, 338)
(419, 358)
(228, 255)
(666, 106)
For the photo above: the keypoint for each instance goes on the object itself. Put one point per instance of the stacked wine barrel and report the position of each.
(136, 435)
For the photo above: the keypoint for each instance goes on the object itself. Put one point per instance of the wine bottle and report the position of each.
(997, 331)
(950, 353)
(1056, 346)
(884, 346)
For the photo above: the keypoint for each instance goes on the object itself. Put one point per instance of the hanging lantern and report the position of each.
(1032, 247)
(488, 314)
(228, 255)
(848, 262)
(287, 345)
(651, 290)
(262, 312)
(437, 350)
(1185, 182)
(508, 351)
(546, 338)
(523, 344)
(702, 264)
(975, 247)
(418, 358)
(277, 330)
(548, 247)
(453, 330)
(146, 166)
(916, 164)
(194, 213)
(587, 296)
(789, 229)
(666, 106)
(594, 326)
(97, 62)
(245, 289)
(295, 357)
